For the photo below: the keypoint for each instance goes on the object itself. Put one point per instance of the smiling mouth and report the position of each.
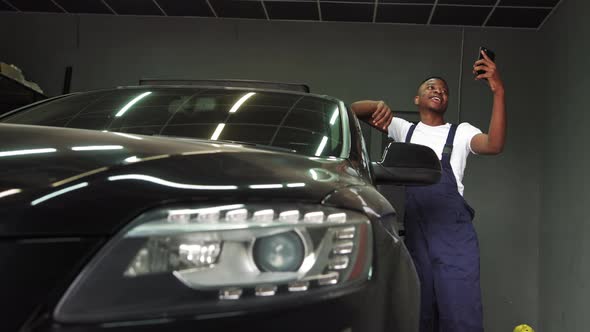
(436, 99)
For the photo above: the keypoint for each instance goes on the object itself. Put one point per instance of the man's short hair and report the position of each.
(433, 77)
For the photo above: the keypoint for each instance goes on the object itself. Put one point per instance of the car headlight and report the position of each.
(212, 259)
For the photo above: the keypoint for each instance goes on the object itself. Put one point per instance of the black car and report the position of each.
(201, 208)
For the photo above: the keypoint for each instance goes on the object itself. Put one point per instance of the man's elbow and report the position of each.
(495, 150)
(494, 146)
(489, 150)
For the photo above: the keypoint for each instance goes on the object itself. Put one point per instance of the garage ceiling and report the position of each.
(528, 14)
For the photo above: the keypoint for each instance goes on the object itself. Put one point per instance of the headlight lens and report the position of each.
(212, 259)
(279, 253)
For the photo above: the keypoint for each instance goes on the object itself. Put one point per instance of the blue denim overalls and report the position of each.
(442, 241)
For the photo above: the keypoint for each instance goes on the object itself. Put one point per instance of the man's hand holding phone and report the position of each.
(485, 68)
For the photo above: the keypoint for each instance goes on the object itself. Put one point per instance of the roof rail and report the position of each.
(229, 83)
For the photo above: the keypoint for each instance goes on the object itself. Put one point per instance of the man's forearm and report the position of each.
(364, 108)
(497, 130)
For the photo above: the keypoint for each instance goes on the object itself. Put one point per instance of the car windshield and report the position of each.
(306, 124)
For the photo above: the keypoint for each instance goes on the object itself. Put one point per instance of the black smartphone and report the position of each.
(489, 53)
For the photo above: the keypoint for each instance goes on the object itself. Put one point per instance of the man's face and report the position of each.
(433, 95)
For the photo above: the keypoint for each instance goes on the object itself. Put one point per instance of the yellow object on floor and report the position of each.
(523, 328)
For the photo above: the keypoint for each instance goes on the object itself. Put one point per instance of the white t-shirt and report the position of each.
(435, 138)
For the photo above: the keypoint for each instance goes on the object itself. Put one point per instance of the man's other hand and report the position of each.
(382, 116)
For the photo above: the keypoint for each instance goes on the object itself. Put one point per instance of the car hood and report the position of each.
(43, 168)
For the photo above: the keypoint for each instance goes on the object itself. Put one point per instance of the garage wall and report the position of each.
(347, 60)
(565, 225)
(505, 189)
(351, 61)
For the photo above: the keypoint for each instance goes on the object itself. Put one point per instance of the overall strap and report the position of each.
(448, 149)
(410, 133)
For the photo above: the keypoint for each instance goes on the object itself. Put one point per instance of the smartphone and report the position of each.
(489, 53)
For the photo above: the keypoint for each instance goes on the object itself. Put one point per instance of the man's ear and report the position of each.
(416, 100)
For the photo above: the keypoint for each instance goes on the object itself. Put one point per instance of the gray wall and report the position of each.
(565, 227)
(350, 61)
(504, 189)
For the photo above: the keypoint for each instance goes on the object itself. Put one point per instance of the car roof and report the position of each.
(237, 83)
(214, 87)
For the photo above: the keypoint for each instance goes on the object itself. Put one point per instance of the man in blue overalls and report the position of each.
(439, 231)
